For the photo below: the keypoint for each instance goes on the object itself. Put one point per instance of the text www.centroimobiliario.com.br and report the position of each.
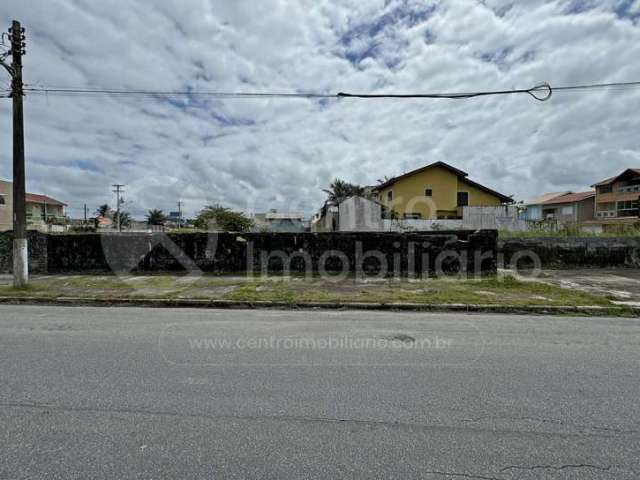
(400, 342)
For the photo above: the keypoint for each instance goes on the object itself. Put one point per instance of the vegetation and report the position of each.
(340, 190)
(103, 211)
(218, 217)
(574, 231)
(497, 290)
(156, 217)
(123, 217)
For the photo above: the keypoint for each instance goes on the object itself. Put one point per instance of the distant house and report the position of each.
(43, 212)
(570, 207)
(274, 221)
(618, 198)
(435, 191)
(533, 206)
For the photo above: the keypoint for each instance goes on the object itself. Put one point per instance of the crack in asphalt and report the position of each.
(463, 475)
(292, 418)
(552, 420)
(553, 467)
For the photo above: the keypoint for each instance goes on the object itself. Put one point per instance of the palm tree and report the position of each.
(123, 217)
(339, 190)
(103, 210)
(156, 217)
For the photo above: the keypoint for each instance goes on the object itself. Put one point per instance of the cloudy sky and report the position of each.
(280, 153)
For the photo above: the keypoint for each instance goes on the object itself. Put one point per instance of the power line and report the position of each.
(540, 92)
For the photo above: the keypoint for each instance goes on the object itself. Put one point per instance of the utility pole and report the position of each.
(118, 187)
(85, 213)
(179, 214)
(20, 251)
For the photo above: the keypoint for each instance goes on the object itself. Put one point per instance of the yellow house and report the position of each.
(436, 191)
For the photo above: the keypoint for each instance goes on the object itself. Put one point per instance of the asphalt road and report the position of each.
(161, 393)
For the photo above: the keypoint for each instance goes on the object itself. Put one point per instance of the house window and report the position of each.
(463, 199)
(390, 195)
(605, 189)
(567, 210)
(428, 192)
(2, 200)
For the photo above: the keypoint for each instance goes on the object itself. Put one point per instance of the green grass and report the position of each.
(487, 291)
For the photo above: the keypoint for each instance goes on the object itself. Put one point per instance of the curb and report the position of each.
(246, 305)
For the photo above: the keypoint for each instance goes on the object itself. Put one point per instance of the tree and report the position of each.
(223, 218)
(125, 219)
(340, 190)
(103, 210)
(156, 217)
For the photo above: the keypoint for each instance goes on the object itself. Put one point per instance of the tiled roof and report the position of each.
(544, 198)
(570, 198)
(454, 170)
(613, 179)
(35, 198)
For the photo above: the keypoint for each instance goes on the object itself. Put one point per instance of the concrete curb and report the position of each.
(411, 307)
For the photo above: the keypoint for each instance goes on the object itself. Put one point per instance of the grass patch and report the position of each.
(499, 290)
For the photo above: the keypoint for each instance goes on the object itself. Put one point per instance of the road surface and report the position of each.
(163, 393)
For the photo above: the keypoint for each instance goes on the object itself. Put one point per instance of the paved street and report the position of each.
(146, 393)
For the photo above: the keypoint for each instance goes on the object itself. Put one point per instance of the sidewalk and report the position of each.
(561, 293)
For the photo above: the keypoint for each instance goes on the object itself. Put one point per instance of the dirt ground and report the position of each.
(622, 285)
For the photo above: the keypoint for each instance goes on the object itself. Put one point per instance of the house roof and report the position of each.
(456, 171)
(571, 198)
(284, 216)
(35, 198)
(544, 198)
(633, 171)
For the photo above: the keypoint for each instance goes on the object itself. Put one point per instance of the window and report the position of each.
(390, 195)
(412, 216)
(628, 208)
(463, 199)
(2, 200)
(567, 210)
(428, 192)
(605, 189)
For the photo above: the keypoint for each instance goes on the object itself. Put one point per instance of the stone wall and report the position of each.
(37, 247)
(556, 252)
(230, 252)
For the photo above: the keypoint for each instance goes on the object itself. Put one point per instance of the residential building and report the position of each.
(618, 198)
(274, 221)
(43, 212)
(532, 210)
(570, 208)
(6, 205)
(435, 191)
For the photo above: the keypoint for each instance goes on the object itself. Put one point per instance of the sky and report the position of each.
(258, 154)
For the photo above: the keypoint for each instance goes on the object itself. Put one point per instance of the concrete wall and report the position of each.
(574, 251)
(357, 214)
(504, 217)
(229, 252)
(410, 225)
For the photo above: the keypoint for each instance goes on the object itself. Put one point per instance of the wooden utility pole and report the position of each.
(118, 187)
(20, 251)
(179, 214)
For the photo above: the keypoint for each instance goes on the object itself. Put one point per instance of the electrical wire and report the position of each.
(541, 92)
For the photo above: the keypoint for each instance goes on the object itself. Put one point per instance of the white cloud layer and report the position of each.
(280, 153)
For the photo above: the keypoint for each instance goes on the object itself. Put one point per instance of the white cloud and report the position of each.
(281, 153)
